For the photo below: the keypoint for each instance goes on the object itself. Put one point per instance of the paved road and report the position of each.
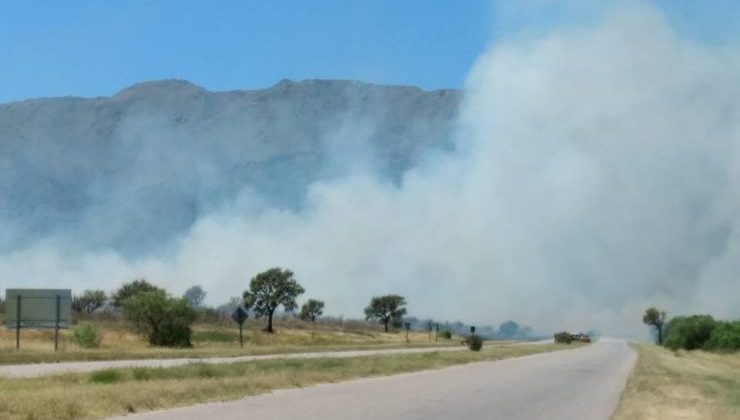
(33, 370)
(574, 384)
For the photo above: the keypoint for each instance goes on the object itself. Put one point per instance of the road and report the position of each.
(576, 384)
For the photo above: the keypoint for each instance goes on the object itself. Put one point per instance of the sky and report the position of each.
(96, 48)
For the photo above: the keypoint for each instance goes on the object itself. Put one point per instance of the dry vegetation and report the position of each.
(682, 385)
(120, 391)
(209, 340)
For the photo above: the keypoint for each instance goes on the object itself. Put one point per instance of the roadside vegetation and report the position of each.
(140, 320)
(121, 391)
(694, 332)
(693, 371)
(681, 385)
(114, 339)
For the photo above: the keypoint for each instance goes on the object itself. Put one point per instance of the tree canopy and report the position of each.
(196, 295)
(311, 310)
(89, 301)
(508, 330)
(269, 290)
(131, 289)
(386, 309)
(655, 318)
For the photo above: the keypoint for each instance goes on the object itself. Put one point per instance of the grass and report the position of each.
(209, 340)
(681, 385)
(120, 391)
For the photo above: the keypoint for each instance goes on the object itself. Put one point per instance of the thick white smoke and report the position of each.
(596, 173)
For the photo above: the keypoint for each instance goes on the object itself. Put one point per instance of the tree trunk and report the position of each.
(269, 322)
(660, 335)
(385, 324)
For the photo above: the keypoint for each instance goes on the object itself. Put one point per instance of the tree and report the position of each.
(131, 289)
(311, 310)
(269, 290)
(386, 309)
(689, 332)
(655, 318)
(164, 320)
(196, 295)
(508, 329)
(2, 306)
(89, 302)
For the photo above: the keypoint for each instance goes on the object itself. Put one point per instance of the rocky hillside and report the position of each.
(132, 171)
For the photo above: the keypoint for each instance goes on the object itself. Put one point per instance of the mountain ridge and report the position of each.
(131, 171)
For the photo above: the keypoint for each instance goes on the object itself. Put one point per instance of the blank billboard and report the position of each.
(38, 307)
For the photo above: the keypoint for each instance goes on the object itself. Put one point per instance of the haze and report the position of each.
(589, 171)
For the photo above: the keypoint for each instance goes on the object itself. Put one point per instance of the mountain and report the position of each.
(132, 171)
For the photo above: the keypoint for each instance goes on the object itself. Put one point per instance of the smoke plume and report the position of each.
(595, 172)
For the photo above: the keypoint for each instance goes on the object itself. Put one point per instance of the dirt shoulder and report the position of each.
(681, 385)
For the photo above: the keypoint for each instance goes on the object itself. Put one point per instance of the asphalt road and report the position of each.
(576, 384)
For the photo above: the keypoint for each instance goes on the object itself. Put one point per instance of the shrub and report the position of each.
(132, 289)
(86, 336)
(725, 336)
(474, 342)
(107, 376)
(563, 337)
(446, 334)
(164, 320)
(690, 332)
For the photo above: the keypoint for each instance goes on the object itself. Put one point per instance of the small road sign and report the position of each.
(240, 315)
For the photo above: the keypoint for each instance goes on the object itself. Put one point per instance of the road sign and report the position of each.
(38, 308)
(240, 315)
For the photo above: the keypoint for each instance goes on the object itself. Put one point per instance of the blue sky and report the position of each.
(95, 48)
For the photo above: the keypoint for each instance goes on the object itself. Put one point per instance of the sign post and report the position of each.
(17, 322)
(240, 315)
(56, 323)
(407, 325)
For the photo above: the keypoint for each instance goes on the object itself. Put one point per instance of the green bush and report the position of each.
(474, 342)
(446, 334)
(164, 320)
(563, 338)
(107, 376)
(725, 336)
(689, 332)
(86, 336)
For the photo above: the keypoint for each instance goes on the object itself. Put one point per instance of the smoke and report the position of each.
(596, 172)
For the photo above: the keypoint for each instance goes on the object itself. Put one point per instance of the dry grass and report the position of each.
(209, 340)
(682, 385)
(112, 392)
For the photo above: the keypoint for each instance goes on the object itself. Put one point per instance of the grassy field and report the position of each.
(682, 385)
(110, 392)
(209, 340)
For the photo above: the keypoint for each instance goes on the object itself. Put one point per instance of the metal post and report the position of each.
(241, 339)
(18, 322)
(56, 324)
